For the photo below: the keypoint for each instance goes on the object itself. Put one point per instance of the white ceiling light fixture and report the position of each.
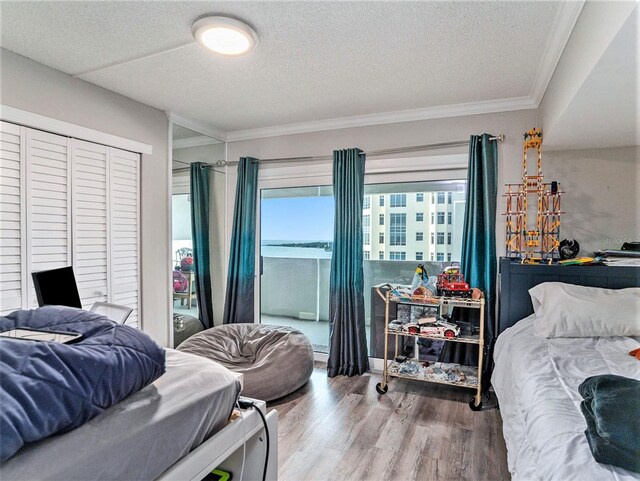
(224, 35)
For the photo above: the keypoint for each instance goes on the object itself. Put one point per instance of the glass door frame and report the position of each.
(452, 166)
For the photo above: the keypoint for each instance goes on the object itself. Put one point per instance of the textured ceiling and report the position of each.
(314, 60)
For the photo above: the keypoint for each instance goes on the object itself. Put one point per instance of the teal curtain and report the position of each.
(479, 260)
(347, 341)
(199, 175)
(239, 301)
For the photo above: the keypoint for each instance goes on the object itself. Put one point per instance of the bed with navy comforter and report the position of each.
(49, 387)
(112, 406)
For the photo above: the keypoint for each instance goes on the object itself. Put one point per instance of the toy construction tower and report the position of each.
(533, 211)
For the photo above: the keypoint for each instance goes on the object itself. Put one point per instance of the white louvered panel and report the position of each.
(90, 221)
(124, 230)
(12, 218)
(48, 203)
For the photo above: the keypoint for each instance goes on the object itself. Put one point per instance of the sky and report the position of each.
(297, 219)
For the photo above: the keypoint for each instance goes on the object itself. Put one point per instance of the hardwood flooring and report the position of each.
(341, 429)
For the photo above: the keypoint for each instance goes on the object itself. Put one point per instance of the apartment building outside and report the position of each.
(413, 226)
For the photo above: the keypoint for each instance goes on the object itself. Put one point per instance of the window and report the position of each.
(404, 229)
(449, 216)
(398, 200)
(449, 257)
(449, 238)
(366, 229)
(440, 256)
(440, 197)
(441, 218)
(367, 255)
(449, 197)
(440, 238)
(367, 202)
(398, 230)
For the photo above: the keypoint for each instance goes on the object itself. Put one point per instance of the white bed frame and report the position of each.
(224, 450)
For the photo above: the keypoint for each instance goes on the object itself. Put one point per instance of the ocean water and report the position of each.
(292, 252)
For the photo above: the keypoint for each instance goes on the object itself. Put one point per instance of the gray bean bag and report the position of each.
(274, 360)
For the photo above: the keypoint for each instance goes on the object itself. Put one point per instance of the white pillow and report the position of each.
(566, 310)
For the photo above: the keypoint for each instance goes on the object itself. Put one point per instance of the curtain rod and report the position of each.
(208, 166)
(373, 153)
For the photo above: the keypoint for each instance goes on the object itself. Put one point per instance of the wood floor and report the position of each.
(341, 429)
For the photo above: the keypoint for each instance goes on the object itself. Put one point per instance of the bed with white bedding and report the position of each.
(143, 435)
(536, 381)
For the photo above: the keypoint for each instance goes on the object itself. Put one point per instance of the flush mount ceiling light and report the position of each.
(224, 35)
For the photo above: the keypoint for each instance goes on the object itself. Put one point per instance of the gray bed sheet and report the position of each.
(142, 436)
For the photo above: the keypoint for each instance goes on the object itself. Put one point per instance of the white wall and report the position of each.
(602, 199)
(595, 30)
(30, 86)
(217, 214)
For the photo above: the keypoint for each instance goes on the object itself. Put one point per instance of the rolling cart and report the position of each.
(466, 376)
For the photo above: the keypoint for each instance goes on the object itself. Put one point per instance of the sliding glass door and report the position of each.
(296, 235)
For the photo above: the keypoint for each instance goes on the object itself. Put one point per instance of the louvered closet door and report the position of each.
(48, 204)
(90, 230)
(124, 229)
(12, 219)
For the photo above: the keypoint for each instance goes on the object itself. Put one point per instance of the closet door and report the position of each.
(124, 227)
(90, 226)
(12, 218)
(48, 200)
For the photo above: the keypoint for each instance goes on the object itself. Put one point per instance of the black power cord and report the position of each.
(245, 404)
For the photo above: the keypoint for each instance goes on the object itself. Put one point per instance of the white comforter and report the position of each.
(536, 381)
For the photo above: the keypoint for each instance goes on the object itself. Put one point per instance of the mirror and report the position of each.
(192, 146)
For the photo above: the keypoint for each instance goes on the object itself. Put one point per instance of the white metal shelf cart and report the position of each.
(470, 376)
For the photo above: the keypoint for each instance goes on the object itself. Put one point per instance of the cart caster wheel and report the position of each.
(473, 406)
(382, 390)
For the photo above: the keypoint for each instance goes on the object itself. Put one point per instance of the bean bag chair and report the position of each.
(274, 360)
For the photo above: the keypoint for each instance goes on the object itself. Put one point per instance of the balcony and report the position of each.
(295, 293)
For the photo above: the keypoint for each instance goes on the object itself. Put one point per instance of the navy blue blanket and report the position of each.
(48, 387)
(611, 408)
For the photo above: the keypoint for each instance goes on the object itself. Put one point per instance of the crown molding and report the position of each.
(561, 30)
(197, 141)
(197, 126)
(456, 110)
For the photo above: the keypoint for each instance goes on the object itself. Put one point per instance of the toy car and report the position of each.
(440, 329)
(451, 283)
(414, 327)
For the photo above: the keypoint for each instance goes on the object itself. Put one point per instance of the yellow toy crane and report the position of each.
(539, 242)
